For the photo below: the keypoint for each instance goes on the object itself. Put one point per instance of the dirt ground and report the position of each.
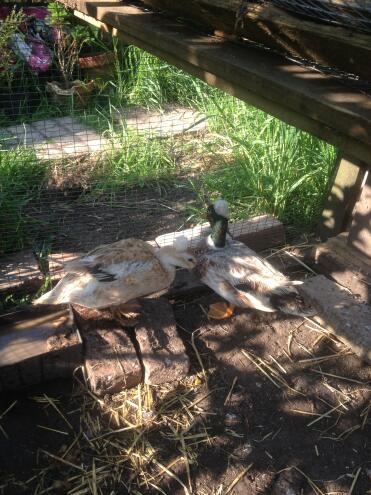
(79, 222)
(276, 406)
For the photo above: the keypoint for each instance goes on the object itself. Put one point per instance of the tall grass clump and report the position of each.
(21, 179)
(267, 166)
(136, 160)
(262, 165)
(143, 79)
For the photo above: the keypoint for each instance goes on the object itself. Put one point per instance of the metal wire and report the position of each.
(353, 14)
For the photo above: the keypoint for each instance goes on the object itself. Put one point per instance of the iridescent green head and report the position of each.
(217, 215)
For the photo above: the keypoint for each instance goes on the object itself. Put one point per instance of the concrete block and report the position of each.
(344, 264)
(348, 318)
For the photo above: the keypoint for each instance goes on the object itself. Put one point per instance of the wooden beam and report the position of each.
(360, 229)
(345, 189)
(37, 343)
(326, 44)
(302, 97)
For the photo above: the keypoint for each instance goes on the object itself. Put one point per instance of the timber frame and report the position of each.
(301, 96)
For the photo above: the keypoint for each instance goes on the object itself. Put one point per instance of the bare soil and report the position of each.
(270, 380)
(78, 222)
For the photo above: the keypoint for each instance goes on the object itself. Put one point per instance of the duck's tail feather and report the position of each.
(288, 300)
(244, 299)
(48, 298)
(58, 295)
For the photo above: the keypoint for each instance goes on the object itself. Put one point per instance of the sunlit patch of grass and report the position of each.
(21, 179)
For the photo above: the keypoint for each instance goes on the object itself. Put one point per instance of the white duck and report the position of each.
(239, 275)
(114, 274)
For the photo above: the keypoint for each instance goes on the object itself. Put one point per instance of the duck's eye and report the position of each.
(190, 259)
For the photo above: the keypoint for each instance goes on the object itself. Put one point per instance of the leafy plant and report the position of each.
(69, 42)
(8, 28)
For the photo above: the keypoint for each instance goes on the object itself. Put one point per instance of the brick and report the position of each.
(162, 351)
(348, 318)
(111, 361)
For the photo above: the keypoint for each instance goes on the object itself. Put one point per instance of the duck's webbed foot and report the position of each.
(220, 311)
(127, 313)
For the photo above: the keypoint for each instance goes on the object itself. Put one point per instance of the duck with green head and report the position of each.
(240, 276)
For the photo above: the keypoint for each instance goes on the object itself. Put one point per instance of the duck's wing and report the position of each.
(243, 268)
(238, 286)
(110, 262)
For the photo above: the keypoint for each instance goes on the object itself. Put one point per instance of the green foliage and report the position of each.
(21, 179)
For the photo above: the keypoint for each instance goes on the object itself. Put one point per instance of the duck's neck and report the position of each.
(218, 234)
(166, 260)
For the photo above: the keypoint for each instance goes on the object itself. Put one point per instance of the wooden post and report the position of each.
(343, 195)
(360, 229)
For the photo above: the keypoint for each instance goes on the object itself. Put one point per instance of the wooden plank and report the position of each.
(340, 312)
(344, 192)
(309, 100)
(37, 343)
(329, 45)
(344, 264)
(360, 230)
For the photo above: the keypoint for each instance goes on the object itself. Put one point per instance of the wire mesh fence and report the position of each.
(131, 147)
(354, 14)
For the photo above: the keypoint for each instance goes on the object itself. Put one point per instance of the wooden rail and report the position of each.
(298, 95)
(326, 44)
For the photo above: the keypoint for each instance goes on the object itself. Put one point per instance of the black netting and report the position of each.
(354, 14)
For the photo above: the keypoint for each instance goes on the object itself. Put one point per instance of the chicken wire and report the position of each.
(354, 14)
(78, 203)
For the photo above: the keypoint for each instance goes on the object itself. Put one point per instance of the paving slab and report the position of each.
(347, 317)
(171, 121)
(161, 349)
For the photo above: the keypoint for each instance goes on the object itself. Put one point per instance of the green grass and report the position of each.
(271, 168)
(264, 165)
(21, 179)
(135, 160)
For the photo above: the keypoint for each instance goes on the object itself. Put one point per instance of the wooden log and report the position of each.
(34, 346)
(344, 264)
(325, 44)
(345, 189)
(360, 229)
(111, 361)
(298, 95)
(348, 318)
(162, 351)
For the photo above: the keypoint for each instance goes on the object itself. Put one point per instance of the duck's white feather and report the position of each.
(109, 275)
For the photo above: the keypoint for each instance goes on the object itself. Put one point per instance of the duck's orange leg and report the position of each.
(220, 311)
